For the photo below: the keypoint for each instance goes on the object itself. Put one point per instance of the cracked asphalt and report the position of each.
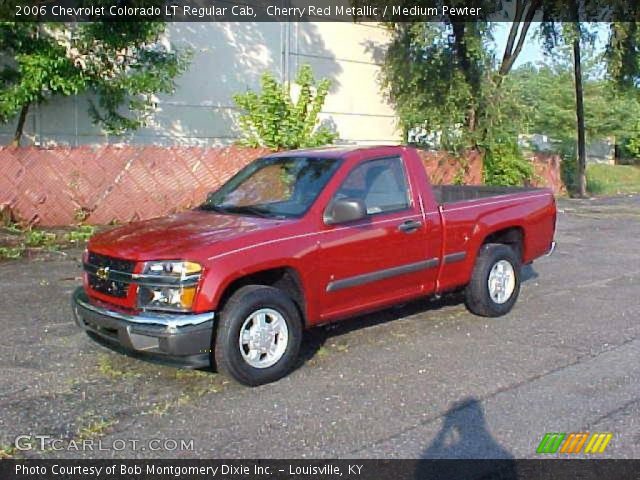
(427, 379)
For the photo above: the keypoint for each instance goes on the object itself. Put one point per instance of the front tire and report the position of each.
(495, 282)
(259, 335)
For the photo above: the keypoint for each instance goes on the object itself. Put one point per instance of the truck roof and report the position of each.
(332, 151)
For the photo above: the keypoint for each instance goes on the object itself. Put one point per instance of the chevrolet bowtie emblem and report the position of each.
(102, 273)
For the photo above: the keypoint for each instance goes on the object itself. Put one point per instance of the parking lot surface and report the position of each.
(427, 379)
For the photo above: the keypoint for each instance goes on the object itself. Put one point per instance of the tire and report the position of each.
(478, 294)
(254, 358)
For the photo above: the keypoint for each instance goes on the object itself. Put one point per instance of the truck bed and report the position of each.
(446, 194)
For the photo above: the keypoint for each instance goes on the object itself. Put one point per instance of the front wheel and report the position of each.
(495, 282)
(259, 335)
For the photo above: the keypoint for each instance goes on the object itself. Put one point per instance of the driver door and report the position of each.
(379, 258)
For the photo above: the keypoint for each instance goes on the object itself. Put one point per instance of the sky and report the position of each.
(532, 51)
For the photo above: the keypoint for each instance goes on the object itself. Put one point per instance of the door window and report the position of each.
(381, 184)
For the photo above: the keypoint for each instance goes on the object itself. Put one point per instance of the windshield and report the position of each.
(273, 187)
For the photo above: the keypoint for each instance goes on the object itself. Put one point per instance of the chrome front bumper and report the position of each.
(179, 338)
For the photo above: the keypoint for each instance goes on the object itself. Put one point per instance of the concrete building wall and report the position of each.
(229, 58)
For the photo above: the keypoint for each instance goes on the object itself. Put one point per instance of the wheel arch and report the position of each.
(285, 278)
(513, 236)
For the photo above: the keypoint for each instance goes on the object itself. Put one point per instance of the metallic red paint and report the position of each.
(231, 246)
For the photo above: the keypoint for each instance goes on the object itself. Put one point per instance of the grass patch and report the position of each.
(322, 352)
(188, 385)
(162, 408)
(85, 431)
(10, 253)
(15, 241)
(191, 388)
(613, 179)
(82, 233)
(39, 238)
(95, 429)
(7, 452)
(111, 367)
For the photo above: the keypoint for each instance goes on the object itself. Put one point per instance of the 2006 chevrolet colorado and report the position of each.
(302, 238)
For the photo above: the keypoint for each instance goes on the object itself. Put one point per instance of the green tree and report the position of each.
(621, 59)
(475, 111)
(546, 97)
(446, 79)
(120, 65)
(623, 67)
(572, 34)
(273, 119)
(449, 85)
(623, 51)
(435, 81)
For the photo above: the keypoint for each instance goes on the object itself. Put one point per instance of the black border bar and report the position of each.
(504, 469)
(309, 10)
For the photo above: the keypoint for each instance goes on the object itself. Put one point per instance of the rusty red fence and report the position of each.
(445, 168)
(111, 183)
(547, 172)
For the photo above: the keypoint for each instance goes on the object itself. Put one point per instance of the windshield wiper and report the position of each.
(250, 209)
(240, 209)
(213, 207)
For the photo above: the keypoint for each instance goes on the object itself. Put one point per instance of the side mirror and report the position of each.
(344, 210)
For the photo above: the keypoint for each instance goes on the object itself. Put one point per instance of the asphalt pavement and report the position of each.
(427, 379)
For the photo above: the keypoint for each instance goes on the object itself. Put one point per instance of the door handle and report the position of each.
(409, 226)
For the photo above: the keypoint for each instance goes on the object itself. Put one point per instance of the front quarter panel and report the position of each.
(222, 269)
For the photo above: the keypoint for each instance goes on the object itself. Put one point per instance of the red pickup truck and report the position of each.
(303, 238)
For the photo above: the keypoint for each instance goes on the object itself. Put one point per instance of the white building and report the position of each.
(230, 58)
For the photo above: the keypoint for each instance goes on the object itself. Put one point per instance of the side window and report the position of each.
(380, 184)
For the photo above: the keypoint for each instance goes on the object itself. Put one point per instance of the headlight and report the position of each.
(172, 268)
(169, 285)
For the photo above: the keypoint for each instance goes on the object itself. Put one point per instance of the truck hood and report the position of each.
(185, 235)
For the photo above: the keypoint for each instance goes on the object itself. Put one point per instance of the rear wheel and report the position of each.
(495, 282)
(259, 335)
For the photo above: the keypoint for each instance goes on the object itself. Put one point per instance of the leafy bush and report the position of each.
(272, 119)
(630, 146)
(27, 239)
(569, 165)
(505, 165)
(11, 252)
(569, 174)
(39, 238)
(81, 234)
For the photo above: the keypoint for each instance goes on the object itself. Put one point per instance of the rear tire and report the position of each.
(259, 335)
(495, 282)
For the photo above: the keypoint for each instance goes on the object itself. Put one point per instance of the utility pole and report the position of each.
(577, 72)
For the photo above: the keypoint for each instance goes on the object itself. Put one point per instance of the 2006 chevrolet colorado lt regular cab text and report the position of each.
(302, 238)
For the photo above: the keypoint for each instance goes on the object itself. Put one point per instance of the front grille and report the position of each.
(109, 286)
(113, 263)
